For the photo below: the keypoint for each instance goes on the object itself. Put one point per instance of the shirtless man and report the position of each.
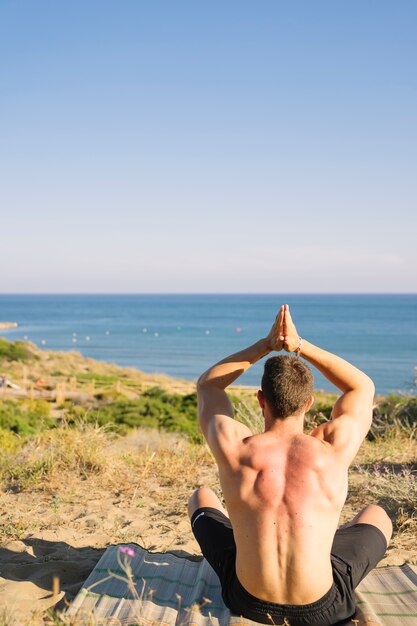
(276, 549)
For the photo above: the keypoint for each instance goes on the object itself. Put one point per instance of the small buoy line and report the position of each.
(145, 331)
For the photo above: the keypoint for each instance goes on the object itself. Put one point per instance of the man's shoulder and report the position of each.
(312, 451)
(262, 452)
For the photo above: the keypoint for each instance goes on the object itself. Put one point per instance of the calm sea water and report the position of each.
(181, 335)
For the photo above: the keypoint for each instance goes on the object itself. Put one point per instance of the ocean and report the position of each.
(182, 335)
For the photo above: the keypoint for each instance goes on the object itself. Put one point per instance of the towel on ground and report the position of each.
(130, 585)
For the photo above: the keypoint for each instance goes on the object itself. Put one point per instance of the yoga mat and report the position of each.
(165, 589)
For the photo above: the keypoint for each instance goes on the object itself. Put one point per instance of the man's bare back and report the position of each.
(284, 490)
(284, 515)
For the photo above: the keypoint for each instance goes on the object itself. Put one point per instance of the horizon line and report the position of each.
(208, 293)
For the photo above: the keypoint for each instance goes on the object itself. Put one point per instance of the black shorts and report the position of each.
(355, 551)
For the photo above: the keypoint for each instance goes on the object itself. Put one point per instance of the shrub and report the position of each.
(395, 415)
(25, 418)
(9, 442)
(14, 351)
(156, 408)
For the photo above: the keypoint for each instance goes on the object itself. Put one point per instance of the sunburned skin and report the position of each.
(284, 514)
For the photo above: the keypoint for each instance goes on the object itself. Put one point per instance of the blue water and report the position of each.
(181, 335)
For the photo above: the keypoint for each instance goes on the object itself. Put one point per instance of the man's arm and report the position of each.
(215, 411)
(352, 413)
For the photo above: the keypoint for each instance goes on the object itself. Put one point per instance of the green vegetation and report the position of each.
(322, 408)
(174, 412)
(14, 351)
(26, 417)
(395, 414)
(156, 408)
(9, 442)
(97, 378)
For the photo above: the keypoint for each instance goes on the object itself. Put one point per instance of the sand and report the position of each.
(63, 531)
(60, 529)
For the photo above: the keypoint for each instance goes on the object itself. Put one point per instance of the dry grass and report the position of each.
(43, 460)
(52, 480)
(59, 467)
(52, 476)
(386, 473)
(158, 473)
(58, 461)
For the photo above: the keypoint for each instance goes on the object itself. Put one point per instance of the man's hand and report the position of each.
(291, 339)
(275, 337)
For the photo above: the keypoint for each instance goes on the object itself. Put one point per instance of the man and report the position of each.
(279, 556)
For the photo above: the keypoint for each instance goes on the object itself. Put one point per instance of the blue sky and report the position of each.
(222, 146)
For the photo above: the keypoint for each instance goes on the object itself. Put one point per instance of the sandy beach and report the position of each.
(70, 492)
(62, 529)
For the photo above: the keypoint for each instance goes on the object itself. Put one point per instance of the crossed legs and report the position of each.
(375, 515)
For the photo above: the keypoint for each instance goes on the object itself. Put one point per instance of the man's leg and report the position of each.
(202, 497)
(375, 515)
(213, 531)
(361, 543)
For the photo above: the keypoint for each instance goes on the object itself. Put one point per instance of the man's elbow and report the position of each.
(200, 381)
(205, 382)
(362, 384)
(369, 385)
(368, 393)
(204, 378)
(203, 390)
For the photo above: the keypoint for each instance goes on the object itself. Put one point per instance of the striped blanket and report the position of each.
(131, 586)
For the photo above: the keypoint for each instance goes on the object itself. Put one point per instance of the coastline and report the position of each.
(180, 335)
(6, 325)
(61, 367)
(89, 487)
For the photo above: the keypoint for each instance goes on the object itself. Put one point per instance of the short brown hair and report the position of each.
(287, 385)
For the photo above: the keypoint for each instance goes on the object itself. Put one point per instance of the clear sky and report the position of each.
(208, 146)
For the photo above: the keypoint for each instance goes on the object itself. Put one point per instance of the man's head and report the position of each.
(287, 386)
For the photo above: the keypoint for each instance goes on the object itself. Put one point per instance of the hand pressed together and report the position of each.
(283, 334)
(291, 338)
